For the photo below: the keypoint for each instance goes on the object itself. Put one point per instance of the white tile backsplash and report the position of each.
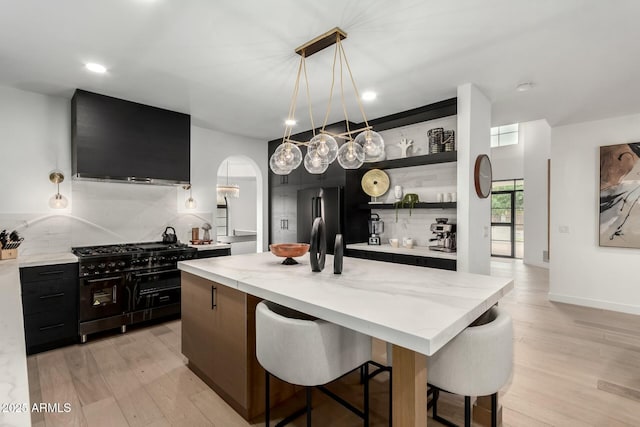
(426, 181)
(105, 213)
(415, 225)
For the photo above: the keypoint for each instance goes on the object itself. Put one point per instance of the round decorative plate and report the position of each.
(375, 182)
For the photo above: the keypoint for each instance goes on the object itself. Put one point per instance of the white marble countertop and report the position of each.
(46, 259)
(415, 307)
(423, 251)
(211, 246)
(14, 383)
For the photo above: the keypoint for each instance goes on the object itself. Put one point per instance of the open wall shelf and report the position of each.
(427, 159)
(419, 205)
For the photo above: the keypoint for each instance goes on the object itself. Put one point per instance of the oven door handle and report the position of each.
(136, 275)
(104, 279)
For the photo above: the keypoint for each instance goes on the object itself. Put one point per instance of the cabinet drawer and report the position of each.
(49, 327)
(49, 295)
(49, 272)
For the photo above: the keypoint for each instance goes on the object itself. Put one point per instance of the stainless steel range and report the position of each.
(130, 283)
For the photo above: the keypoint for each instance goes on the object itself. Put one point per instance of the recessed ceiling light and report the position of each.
(96, 68)
(523, 87)
(369, 95)
(290, 122)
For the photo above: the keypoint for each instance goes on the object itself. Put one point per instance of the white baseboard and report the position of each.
(594, 303)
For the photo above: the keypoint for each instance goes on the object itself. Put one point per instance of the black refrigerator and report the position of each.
(320, 202)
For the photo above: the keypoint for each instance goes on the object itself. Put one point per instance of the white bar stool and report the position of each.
(477, 362)
(306, 351)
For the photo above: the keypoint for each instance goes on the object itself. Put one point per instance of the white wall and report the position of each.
(508, 162)
(528, 160)
(474, 213)
(35, 138)
(535, 138)
(582, 272)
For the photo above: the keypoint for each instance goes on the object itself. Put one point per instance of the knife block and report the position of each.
(8, 253)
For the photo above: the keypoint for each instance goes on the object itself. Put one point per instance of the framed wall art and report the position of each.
(619, 195)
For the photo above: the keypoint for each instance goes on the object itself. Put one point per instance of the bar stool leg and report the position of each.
(309, 390)
(467, 411)
(267, 405)
(390, 397)
(366, 394)
(494, 410)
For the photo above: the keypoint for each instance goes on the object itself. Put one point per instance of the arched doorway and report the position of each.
(238, 204)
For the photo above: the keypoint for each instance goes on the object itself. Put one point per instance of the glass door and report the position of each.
(507, 218)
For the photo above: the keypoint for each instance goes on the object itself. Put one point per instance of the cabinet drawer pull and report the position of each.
(61, 294)
(50, 273)
(104, 279)
(214, 303)
(59, 325)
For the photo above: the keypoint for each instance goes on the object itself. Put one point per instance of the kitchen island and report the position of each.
(416, 309)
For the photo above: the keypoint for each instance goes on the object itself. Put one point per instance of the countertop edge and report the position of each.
(419, 251)
(14, 382)
(211, 247)
(39, 260)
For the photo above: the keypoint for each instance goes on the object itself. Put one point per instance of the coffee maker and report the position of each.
(376, 228)
(445, 236)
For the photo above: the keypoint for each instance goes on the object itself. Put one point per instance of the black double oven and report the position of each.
(125, 284)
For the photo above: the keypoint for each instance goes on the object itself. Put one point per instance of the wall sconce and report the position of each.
(57, 201)
(190, 203)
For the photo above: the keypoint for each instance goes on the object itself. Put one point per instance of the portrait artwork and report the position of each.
(619, 194)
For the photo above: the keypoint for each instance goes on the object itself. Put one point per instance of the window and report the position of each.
(504, 135)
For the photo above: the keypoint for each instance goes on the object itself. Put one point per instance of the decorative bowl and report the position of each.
(289, 251)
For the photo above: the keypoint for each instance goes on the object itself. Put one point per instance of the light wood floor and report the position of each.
(573, 366)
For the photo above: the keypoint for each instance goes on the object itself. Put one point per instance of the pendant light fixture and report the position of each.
(190, 203)
(229, 190)
(57, 201)
(323, 149)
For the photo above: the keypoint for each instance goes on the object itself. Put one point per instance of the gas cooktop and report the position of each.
(125, 248)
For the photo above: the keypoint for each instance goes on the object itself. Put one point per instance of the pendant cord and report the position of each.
(292, 105)
(306, 80)
(353, 82)
(344, 107)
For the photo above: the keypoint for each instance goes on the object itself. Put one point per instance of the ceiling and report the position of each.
(231, 63)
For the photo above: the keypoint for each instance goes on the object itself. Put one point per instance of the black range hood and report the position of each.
(117, 140)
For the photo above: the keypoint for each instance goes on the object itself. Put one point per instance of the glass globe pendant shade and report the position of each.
(315, 163)
(58, 201)
(325, 146)
(372, 143)
(351, 155)
(190, 203)
(278, 165)
(289, 154)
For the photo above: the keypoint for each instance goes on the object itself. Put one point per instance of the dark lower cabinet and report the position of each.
(50, 306)
(211, 253)
(421, 261)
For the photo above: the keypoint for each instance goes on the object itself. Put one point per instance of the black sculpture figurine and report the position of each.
(318, 250)
(338, 253)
